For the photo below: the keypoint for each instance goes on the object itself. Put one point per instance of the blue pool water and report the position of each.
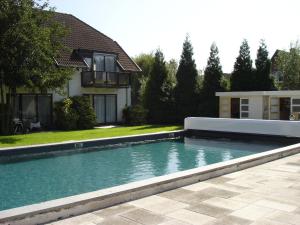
(28, 181)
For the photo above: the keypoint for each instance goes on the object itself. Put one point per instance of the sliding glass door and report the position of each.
(106, 108)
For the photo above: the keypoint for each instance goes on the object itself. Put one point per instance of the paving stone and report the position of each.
(174, 222)
(293, 163)
(144, 217)
(252, 212)
(268, 222)
(198, 186)
(233, 187)
(248, 197)
(159, 204)
(225, 203)
(217, 192)
(235, 174)
(284, 217)
(297, 211)
(85, 219)
(191, 217)
(209, 210)
(276, 205)
(174, 194)
(288, 168)
(115, 210)
(230, 220)
(117, 220)
(219, 180)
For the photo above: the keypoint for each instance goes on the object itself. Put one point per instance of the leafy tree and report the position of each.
(262, 79)
(242, 75)
(172, 67)
(138, 83)
(211, 84)
(186, 90)
(30, 40)
(289, 64)
(158, 95)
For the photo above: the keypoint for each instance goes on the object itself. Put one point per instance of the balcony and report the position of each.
(104, 79)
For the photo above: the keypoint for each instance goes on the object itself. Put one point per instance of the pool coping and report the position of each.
(67, 145)
(78, 204)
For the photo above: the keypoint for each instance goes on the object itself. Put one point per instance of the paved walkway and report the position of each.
(268, 194)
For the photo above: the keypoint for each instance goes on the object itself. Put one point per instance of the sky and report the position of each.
(142, 26)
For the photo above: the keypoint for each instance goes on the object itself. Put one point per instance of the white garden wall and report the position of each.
(250, 126)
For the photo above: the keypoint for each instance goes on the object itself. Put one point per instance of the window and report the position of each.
(296, 105)
(105, 63)
(110, 65)
(244, 108)
(33, 108)
(88, 61)
(98, 62)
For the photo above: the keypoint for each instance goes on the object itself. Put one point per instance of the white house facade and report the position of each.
(103, 72)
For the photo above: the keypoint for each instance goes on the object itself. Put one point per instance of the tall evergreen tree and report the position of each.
(158, 94)
(262, 79)
(211, 84)
(186, 90)
(242, 75)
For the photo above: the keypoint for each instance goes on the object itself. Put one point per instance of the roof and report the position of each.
(83, 36)
(258, 93)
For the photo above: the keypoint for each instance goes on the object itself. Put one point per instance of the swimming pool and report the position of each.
(42, 178)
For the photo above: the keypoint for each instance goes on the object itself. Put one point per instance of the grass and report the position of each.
(60, 136)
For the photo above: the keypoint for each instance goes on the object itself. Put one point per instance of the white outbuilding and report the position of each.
(273, 105)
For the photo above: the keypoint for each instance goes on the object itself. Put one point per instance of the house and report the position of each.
(103, 73)
(273, 105)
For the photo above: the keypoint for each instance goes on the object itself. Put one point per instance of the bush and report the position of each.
(85, 111)
(74, 113)
(135, 115)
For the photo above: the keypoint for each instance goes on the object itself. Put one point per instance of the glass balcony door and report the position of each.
(105, 108)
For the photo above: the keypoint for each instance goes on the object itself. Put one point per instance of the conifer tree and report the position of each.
(186, 90)
(211, 84)
(242, 75)
(262, 79)
(158, 94)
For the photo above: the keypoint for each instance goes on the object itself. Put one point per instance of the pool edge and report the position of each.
(83, 203)
(61, 146)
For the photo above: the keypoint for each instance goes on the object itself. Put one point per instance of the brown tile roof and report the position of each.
(83, 36)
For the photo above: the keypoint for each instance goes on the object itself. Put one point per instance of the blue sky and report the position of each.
(141, 26)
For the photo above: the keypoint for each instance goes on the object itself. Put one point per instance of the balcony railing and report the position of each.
(104, 79)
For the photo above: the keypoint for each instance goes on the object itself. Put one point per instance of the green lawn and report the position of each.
(59, 136)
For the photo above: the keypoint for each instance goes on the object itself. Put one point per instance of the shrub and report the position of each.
(85, 111)
(74, 113)
(135, 115)
(65, 116)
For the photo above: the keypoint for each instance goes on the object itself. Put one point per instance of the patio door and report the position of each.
(284, 108)
(235, 108)
(105, 108)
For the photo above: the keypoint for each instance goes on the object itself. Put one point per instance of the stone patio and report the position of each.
(268, 194)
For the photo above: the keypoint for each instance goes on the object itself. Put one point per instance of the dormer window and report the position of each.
(104, 62)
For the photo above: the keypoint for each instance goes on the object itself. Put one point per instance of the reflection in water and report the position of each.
(30, 181)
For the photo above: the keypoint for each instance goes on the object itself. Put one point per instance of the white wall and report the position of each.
(267, 127)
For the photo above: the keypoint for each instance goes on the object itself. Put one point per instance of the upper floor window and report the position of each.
(104, 62)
